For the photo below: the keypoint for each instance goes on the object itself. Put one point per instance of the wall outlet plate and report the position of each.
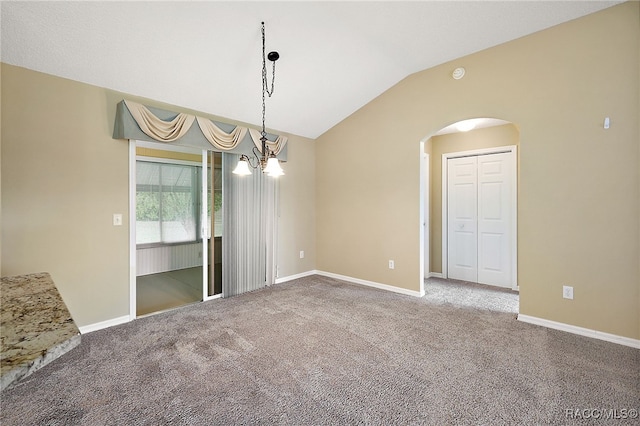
(567, 292)
(392, 264)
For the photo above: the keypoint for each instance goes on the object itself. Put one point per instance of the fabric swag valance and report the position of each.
(136, 121)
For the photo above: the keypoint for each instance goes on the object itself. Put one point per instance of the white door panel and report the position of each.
(479, 218)
(491, 253)
(494, 219)
(462, 219)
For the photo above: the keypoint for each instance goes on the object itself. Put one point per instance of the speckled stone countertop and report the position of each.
(35, 326)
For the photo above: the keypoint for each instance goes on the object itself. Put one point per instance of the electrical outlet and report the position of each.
(567, 292)
(392, 264)
(301, 254)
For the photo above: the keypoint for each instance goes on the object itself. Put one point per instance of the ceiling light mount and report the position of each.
(273, 56)
(458, 73)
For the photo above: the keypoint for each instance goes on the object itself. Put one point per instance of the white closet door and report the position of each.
(462, 221)
(494, 219)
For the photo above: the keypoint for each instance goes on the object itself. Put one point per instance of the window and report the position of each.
(167, 200)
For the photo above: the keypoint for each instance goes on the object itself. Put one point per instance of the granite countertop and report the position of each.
(35, 326)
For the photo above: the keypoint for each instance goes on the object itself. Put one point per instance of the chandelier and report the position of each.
(266, 159)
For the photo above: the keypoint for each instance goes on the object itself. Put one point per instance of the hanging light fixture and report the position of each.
(267, 160)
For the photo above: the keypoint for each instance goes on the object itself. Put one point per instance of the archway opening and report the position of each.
(476, 140)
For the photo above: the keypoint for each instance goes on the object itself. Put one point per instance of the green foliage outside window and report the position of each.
(147, 206)
(217, 201)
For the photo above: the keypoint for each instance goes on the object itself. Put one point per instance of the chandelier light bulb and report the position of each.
(273, 167)
(242, 168)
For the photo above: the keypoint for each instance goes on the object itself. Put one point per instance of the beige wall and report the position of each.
(579, 184)
(0, 169)
(456, 142)
(297, 218)
(63, 177)
(173, 155)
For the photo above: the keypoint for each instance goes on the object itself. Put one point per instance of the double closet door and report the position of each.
(480, 218)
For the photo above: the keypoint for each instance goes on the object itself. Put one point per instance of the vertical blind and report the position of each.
(250, 228)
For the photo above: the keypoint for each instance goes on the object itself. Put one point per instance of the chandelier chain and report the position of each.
(265, 84)
(267, 160)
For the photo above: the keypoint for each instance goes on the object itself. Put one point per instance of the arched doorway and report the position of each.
(470, 139)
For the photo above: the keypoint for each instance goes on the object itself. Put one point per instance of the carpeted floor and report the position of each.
(471, 295)
(319, 351)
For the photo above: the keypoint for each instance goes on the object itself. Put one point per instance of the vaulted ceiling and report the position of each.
(334, 56)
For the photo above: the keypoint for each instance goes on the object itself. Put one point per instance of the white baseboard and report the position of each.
(103, 324)
(295, 277)
(621, 340)
(372, 284)
(434, 275)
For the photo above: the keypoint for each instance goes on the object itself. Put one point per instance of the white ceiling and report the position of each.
(334, 56)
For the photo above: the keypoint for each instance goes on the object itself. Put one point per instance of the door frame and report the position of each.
(425, 215)
(513, 149)
(204, 228)
(206, 231)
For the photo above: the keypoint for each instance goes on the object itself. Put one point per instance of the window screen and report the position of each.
(166, 203)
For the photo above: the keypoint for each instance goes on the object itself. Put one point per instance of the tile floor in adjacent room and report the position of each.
(168, 290)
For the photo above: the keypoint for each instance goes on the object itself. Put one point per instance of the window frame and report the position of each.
(197, 193)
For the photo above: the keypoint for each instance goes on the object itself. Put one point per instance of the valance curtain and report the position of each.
(249, 216)
(134, 120)
(160, 130)
(218, 137)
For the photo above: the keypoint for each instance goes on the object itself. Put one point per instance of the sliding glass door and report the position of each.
(213, 219)
(178, 233)
(195, 223)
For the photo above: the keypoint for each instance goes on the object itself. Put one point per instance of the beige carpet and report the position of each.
(471, 295)
(318, 351)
